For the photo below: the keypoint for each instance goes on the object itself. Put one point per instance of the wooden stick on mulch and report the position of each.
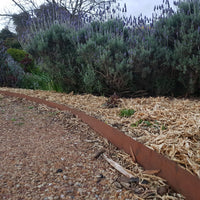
(118, 167)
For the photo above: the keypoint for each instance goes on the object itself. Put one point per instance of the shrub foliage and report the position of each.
(11, 72)
(125, 55)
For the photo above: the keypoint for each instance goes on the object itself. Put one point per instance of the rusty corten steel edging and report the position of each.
(178, 178)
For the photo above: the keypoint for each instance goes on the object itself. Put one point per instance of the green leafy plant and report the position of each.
(17, 54)
(40, 81)
(126, 112)
(58, 52)
(144, 122)
(163, 128)
(159, 56)
(141, 121)
(23, 58)
(137, 123)
(30, 107)
(148, 123)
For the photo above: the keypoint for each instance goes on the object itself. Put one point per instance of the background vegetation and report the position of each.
(127, 55)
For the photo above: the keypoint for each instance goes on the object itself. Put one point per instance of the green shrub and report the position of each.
(106, 52)
(17, 54)
(23, 58)
(57, 52)
(12, 43)
(90, 82)
(126, 112)
(179, 36)
(11, 73)
(37, 81)
(108, 57)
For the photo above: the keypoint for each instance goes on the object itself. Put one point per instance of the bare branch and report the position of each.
(19, 6)
(32, 3)
(6, 15)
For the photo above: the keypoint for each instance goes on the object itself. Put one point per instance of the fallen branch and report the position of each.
(118, 167)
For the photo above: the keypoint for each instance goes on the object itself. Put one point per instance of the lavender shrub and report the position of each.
(122, 54)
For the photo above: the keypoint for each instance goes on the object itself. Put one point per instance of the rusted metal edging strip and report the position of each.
(178, 178)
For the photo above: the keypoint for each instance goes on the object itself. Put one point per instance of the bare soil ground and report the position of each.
(48, 154)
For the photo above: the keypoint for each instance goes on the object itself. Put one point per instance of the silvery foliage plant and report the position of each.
(11, 72)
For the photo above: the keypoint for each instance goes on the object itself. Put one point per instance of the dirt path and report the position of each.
(48, 154)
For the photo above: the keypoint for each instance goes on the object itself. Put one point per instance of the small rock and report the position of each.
(139, 190)
(65, 177)
(69, 191)
(117, 185)
(94, 189)
(145, 182)
(70, 182)
(56, 197)
(80, 191)
(77, 184)
(125, 185)
(162, 190)
(39, 186)
(59, 171)
(18, 185)
(134, 180)
(62, 196)
(100, 177)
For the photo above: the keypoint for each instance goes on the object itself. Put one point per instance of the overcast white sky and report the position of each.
(135, 7)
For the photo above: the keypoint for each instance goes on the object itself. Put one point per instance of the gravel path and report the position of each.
(43, 159)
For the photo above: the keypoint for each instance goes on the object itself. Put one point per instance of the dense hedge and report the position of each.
(125, 56)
